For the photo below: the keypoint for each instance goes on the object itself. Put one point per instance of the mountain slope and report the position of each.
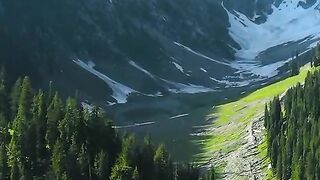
(234, 142)
(117, 39)
(148, 61)
(151, 47)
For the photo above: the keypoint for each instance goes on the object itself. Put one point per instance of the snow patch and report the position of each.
(287, 23)
(120, 91)
(132, 63)
(178, 87)
(203, 70)
(134, 125)
(179, 116)
(180, 68)
(232, 83)
(186, 88)
(201, 55)
(270, 70)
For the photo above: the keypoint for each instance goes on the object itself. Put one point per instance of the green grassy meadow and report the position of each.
(232, 119)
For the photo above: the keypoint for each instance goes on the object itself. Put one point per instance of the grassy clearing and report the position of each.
(233, 118)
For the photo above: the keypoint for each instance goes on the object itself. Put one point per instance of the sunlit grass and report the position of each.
(233, 118)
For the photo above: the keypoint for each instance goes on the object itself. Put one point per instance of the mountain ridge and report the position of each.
(146, 61)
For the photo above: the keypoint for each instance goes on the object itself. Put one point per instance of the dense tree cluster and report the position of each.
(294, 65)
(293, 131)
(44, 138)
(315, 61)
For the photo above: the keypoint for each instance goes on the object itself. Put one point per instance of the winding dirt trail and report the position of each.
(238, 131)
(245, 163)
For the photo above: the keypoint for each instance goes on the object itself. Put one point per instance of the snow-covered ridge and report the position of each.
(288, 23)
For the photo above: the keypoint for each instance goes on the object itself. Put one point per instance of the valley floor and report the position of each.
(235, 141)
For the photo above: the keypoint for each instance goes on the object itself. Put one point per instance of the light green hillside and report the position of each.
(233, 119)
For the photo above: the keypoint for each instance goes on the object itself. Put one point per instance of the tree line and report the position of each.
(43, 137)
(293, 129)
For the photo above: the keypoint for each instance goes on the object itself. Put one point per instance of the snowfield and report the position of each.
(288, 23)
(122, 92)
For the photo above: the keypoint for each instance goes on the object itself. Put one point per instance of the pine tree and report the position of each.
(26, 97)
(4, 97)
(101, 166)
(162, 163)
(50, 143)
(4, 129)
(293, 139)
(146, 164)
(122, 170)
(274, 153)
(58, 161)
(71, 162)
(54, 116)
(4, 170)
(69, 125)
(17, 148)
(279, 166)
(266, 116)
(22, 134)
(294, 68)
(98, 125)
(296, 168)
(310, 166)
(14, 171)
(39, 120)
(15, 96)
(316, 61)
(83, 163)
(135, 175)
